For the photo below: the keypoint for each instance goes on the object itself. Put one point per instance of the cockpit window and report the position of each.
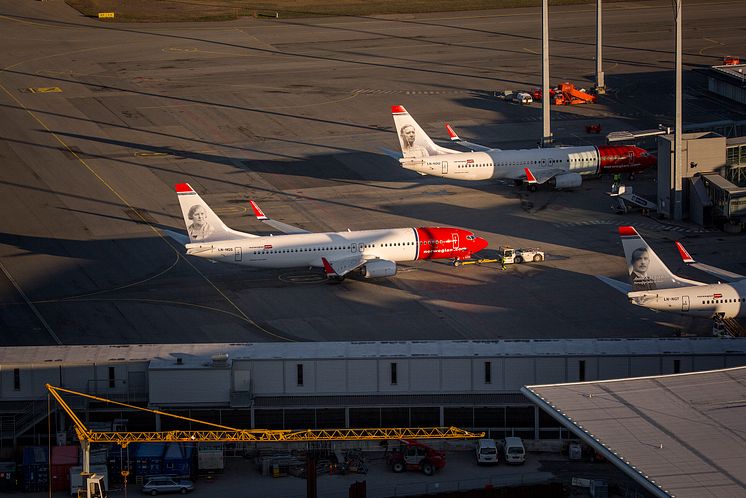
(470, 237)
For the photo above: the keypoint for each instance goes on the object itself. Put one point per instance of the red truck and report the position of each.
(412, 455)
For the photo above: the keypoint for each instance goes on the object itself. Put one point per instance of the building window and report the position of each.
(299, 373)
(488, 372)
(112, 377)
(393, 373)
(676, 366)
(581, 370)
(16, 379)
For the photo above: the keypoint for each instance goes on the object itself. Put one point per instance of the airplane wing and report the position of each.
(725, 275)
(542, 175)
(620, 286)
(283, 227)
(178, 237)
(392, 153)
(342, 266)
(469, 145)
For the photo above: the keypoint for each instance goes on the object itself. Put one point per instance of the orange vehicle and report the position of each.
(730, 60)
(568, 95)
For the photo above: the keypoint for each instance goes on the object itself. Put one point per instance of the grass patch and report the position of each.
(221, 10)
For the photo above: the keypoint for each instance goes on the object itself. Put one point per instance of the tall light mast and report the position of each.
(545, 102)
(600, 85)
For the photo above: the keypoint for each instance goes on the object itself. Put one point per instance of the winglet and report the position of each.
(452, 133)
(685, 256)
(398, 109)
(183, 188)
(530, 178)
(257, 211)
(328, 268)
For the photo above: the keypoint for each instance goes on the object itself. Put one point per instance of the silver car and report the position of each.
(158, 485)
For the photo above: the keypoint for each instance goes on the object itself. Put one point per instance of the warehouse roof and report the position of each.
(678, 435)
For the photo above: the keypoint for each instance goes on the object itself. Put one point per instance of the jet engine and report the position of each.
(379, 268)
(567, 180)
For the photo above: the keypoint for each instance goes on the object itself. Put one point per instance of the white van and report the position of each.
(486, 451)
(513, 450)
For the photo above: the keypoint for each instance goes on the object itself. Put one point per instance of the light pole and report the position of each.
(600, 85)
(545, 100)
(677, 208)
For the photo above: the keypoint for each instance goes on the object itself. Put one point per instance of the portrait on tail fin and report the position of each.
(639, 265)
(200, 229)
(409, 145)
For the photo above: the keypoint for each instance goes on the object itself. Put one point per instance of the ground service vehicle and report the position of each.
(522, 98)
(486, 451)
(513, 450)
(412, 455)
(510, 255)
(160, 485)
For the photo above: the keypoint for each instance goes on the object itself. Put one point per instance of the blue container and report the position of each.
(149, 459)
(178, 460)
(33, 455)
(34, 477)
(34, 468)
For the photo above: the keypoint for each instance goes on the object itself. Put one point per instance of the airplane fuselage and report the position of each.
(511, 164)
(727, 300)
(307, 249)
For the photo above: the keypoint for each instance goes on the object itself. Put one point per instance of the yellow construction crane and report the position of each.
(222, 433)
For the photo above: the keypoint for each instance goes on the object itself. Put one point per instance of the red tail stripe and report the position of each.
(183, 187)
(398, 109)
(628, 231)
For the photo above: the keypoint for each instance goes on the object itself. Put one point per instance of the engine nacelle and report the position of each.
(379, 268)
(567, 180)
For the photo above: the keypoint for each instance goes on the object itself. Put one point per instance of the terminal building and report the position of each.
(467, 384)
(706, 190)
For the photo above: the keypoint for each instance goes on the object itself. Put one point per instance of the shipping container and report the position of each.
(178, 460)
(149, 459)
(210, 457)
(34, 469)
(63, 457)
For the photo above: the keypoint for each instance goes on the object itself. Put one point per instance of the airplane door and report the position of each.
(237, 254)
(455, 241)
(684, 303)
(445, 167)
(631, 157)
(353, 247)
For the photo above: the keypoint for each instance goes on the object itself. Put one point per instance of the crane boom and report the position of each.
(221, 433)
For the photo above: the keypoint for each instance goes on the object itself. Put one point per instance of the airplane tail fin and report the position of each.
(203, 225)
(645, 268)
(414, 142)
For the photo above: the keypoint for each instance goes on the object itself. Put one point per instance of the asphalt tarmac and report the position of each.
(99, 120)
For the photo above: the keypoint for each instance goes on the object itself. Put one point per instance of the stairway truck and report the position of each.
(510, 255)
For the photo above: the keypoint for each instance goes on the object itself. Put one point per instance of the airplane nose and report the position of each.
(479, 244)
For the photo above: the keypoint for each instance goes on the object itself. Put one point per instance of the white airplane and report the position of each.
(652, 285)
(561, 167)
(373, 253)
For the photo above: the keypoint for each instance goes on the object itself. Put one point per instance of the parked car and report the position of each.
(513, 450)
(161, 485)
(486, 451)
